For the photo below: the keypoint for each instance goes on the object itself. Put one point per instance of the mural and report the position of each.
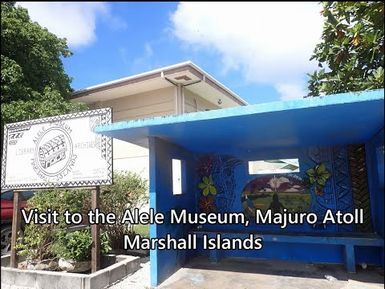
(276, 193)
(217, 183)
(323, 183)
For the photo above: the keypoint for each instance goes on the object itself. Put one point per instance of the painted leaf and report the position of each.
(327, 175)
(321, 181)
(202, 186)
(213, 190)
(310, 172)
(321, 178)
(321, 168)
(206, 191)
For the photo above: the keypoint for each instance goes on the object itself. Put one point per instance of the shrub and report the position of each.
(129, 191)
(54, 240)
(77, 245)
(142, 230)
(39, 239)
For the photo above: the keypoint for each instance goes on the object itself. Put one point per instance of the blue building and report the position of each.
(306, 155)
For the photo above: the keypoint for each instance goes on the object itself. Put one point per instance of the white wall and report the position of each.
(194, 102)
(142, 105)
(160, 102)
(130, 157)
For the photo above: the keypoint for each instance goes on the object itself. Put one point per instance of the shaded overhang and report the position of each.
(186, 74)
(330, 120)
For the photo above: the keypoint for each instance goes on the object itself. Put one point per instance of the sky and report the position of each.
(260, 50)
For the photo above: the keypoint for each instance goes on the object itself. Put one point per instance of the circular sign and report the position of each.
(53, 152)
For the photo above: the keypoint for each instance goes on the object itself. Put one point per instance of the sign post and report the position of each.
(57, 152)
(15, 227)
(95, 232)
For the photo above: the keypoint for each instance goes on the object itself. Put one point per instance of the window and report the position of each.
(279, 166)
(176, 177)
(7, 196)
(24, 195)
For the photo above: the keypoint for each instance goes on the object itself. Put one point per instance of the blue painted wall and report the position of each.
(165, 262)
(230, 175)
(375, 167)
(337, 196)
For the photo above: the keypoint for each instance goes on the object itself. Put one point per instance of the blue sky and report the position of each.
(260, 51)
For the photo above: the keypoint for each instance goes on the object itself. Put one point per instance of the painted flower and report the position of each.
(207, 186)
(207, 204)
(318, 176)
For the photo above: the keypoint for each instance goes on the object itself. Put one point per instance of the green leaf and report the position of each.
(206, 191)
(321, 182)
(327, 175)
(206, 180)
(331, 18)
(351, 46)
(320, 168)
(213, 190)
(310, 172)
(202, 186)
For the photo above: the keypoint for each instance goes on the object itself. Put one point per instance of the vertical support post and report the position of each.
(15, 227)
(214, 255)
(179, 99)
(95, 232)
(350, 259)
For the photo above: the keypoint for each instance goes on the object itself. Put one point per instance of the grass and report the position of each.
(143, 230)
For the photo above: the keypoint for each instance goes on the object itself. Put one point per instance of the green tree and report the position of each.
(33, 81)
(351, 52)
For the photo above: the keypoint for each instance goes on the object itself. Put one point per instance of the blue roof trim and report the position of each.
(336, 99)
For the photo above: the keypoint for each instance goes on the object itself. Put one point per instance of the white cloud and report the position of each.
(75, 21)
(290, 91)
(270, 43)
(144, 61)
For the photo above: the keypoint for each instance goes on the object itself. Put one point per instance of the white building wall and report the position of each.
(160, 102)
(130, 157)
(142, 105)
(194, 102)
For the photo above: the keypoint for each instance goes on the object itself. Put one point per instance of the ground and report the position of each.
(252, 274)
(138, 280)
